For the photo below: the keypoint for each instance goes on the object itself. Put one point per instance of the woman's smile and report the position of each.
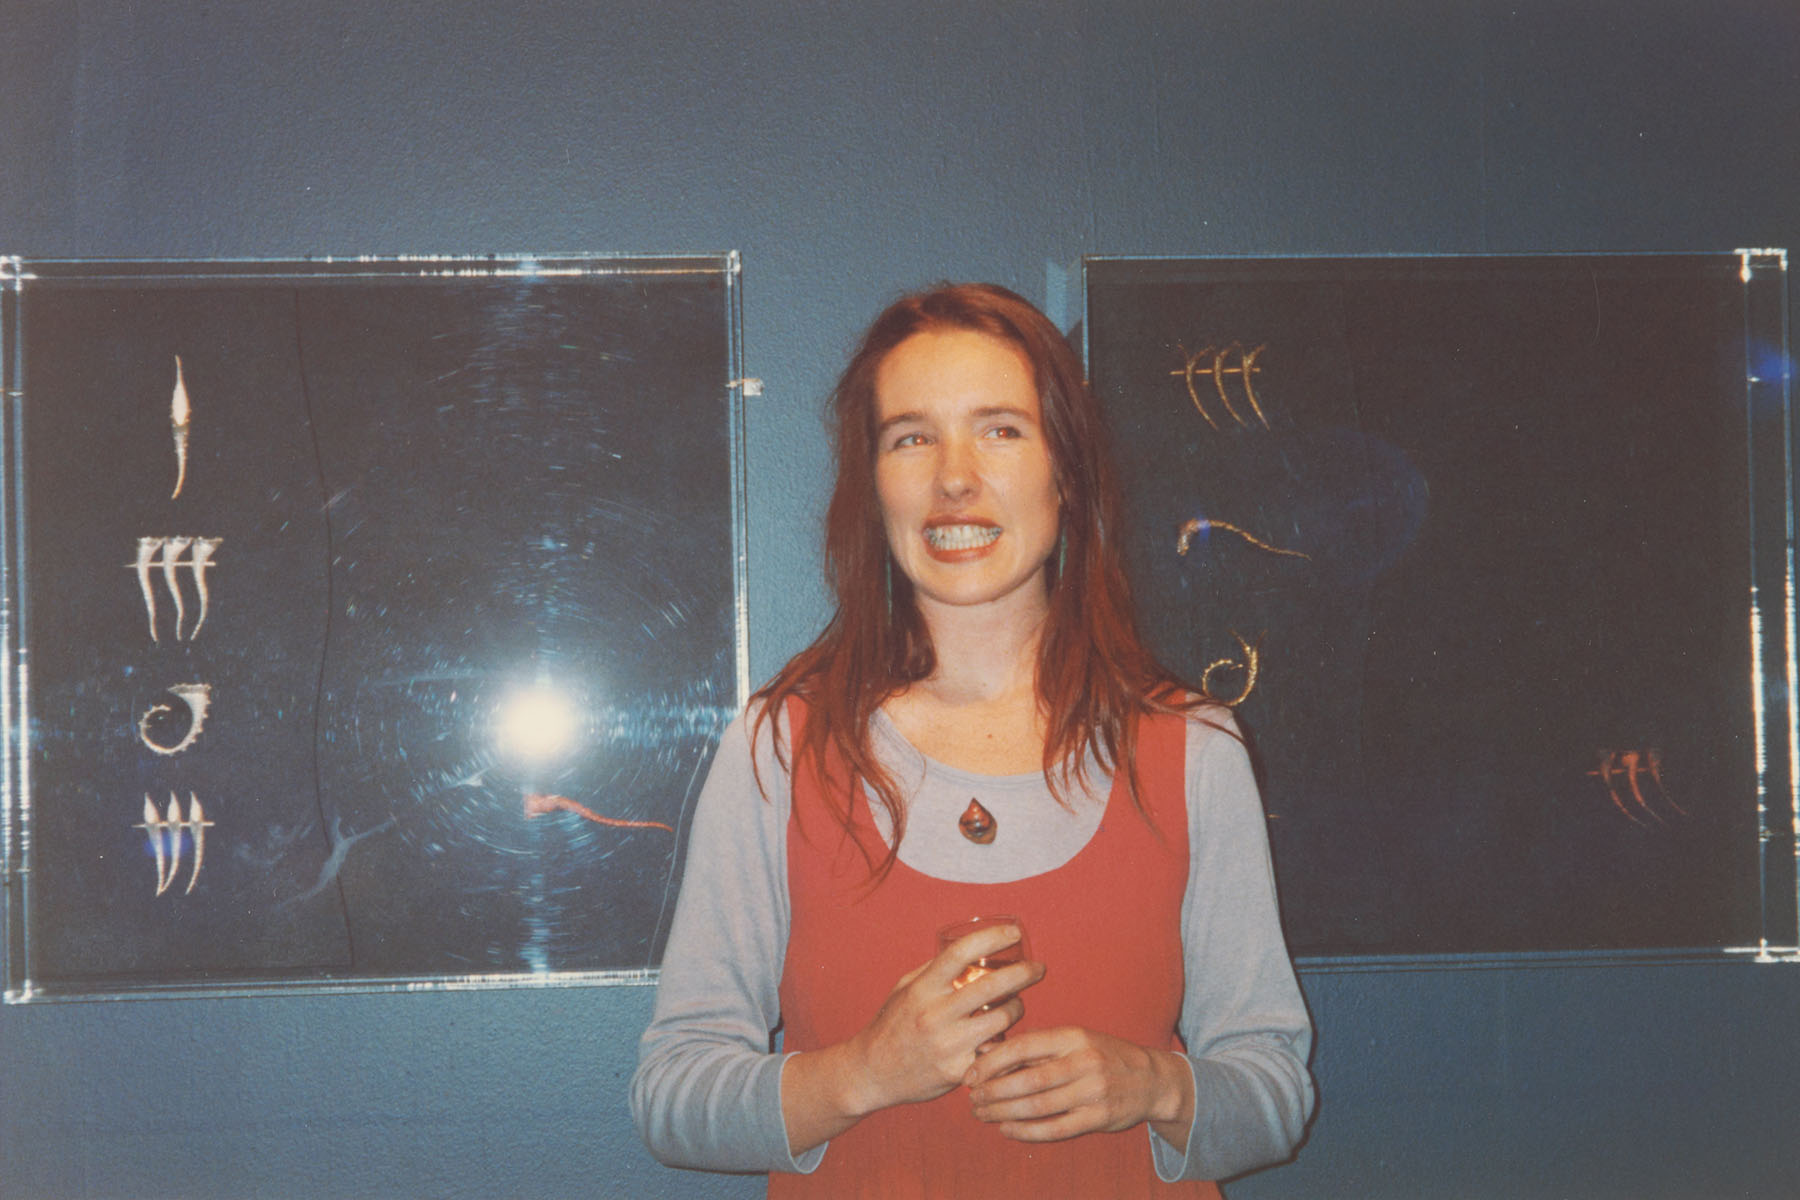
(952, 541)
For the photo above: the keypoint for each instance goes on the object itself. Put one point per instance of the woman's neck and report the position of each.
(979, 709)
(984, 652)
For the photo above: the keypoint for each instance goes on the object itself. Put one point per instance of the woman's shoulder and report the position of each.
(759, 729)
(1204, 717)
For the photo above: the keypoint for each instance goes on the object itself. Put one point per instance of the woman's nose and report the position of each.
(957, 474)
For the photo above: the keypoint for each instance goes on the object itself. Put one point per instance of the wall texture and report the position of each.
(851, 148)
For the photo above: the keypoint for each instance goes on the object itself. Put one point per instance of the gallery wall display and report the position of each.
(366, 622)
(1494, 558)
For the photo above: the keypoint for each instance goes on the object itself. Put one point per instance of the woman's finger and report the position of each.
(998, 985)
(954, 960)
(1006, 1057)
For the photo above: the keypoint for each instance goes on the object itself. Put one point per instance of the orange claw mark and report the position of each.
(1606, 772)
(1625, 769)
(537, 804)
(1655, 757)
(1629, 761)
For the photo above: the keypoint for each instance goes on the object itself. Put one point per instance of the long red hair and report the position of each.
(1095, 678)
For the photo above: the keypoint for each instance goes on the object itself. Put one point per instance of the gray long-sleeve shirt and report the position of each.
(707, 1090)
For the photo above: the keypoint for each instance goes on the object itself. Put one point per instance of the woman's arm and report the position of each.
(707, 1090)
(1243, 1019)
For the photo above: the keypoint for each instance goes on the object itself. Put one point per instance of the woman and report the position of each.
(978, 730)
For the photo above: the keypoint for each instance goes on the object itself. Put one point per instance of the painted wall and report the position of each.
(850, 149)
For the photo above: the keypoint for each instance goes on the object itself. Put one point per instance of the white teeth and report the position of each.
(960, 537)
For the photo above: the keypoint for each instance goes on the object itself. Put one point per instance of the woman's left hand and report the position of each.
(1051, 1084)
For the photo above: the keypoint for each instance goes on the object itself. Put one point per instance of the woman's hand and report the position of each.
(1058, 1083)
(920, 1045)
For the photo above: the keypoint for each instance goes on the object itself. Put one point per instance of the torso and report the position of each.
(1107, 917)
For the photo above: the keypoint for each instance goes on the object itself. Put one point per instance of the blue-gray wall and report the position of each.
(850, 149)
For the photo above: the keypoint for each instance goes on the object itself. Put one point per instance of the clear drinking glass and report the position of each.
(1017, 952)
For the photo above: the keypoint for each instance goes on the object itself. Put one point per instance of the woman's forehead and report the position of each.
(954, 369)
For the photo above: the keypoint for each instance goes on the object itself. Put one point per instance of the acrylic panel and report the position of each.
(1472, 542)
(369, 621)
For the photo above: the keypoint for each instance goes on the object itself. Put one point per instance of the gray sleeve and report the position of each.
(1242, 1017)
(707, 1089)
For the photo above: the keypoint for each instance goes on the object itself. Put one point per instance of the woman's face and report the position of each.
(963, 471)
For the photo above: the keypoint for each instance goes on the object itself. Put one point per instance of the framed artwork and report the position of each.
(1494, 558)
(367, 622)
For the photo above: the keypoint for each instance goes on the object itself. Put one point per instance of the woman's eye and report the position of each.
(909, 439)
(1005, 431)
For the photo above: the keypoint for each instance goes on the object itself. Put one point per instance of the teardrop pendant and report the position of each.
(977, 823)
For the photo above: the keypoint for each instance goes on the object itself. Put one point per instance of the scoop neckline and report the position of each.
(939, 767)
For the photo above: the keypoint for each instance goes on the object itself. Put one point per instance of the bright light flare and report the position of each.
(536, 724)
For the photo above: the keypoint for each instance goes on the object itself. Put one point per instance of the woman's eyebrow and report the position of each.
(1004, 410)
(898, 419)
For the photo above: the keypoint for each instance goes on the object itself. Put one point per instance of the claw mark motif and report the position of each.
(165, 834)
(1215, 360)
(148, 548)
(178, 422)
(538, 804)
(197, 697)
(168, 554)
(334, 862)
(1623, 772)
(172, 551)
(1185, 539)
(1250, 664)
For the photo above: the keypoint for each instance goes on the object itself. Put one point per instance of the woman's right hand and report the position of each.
(926, 1036)
(918, 1046)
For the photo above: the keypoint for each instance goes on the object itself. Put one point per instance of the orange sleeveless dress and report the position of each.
(1107, 924)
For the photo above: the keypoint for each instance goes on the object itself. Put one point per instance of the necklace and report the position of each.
(977, 823)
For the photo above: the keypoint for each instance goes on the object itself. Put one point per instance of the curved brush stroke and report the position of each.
(178, 422)
(197, 697)
(1218, 377)
(1250, 368)
(204, 549)
(538, 804)
(152, 826)
(1250, 665)
(146, 555)
(171, 829)
(1187, 375)
(1629, 762)
(1608, 773)
(1654, 757)
(1184, 541)
(173, 549)
(198, 823)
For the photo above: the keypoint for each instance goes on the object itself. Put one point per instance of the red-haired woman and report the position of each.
(978, 730)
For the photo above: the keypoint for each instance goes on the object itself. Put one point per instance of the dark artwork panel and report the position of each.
(419, 670)
(1484, 526)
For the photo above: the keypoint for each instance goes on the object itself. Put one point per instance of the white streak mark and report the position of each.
(204, 548)
(178, 421)
(173, 549)
(197, 822)
(146, 554)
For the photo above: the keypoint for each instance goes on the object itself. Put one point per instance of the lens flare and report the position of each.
(536, 724)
